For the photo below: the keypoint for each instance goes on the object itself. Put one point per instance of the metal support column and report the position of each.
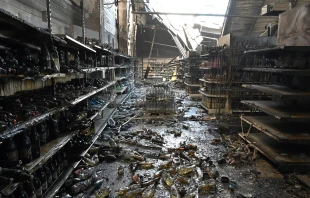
(49, 14)
(150, 55)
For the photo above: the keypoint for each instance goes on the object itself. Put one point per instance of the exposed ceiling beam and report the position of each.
(161, 44)
(202, 14)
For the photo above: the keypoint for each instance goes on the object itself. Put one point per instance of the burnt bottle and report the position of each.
(49, 175)
(35, 140)
(53, 171)
(20, 192)
(38, 187)
(56, 165)
(29, 188)
(60, 161)
(42, 176)
(42, 133)
(25, 148)
(64, 159)
(16, 174)
(45, 58)
(54, 128)
(11, 150)
(47, 129)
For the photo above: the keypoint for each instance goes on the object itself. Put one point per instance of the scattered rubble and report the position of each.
(169, 158)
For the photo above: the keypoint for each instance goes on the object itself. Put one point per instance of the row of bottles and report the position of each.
(36, 184)
(26, 105)
(24, 62)
(26, 146)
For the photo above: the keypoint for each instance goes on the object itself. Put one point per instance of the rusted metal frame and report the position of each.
(258, 149)
(249, 129)
(242, 131)
(254, 156)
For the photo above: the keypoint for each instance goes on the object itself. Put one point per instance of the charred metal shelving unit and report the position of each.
(282, 135)
(91, 62)
(125, 76)
(223, 75)
(192, 74)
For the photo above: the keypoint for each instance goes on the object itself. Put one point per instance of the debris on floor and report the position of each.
(147, 156)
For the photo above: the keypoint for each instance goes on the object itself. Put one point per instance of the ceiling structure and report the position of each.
(252, 26)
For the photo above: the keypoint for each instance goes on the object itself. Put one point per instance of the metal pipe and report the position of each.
(161, 44)
(203, 14)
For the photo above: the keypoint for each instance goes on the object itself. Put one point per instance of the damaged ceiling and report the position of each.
(252, 26)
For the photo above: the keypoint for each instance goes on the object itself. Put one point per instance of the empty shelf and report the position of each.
(299, 72)
(287, 157)
(279, 111)
(282, 131)
(278, 90)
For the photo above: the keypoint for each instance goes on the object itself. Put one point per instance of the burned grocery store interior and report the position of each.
(154, 98)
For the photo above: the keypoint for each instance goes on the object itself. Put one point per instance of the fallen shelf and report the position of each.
(278, 110)
(281, 91)
(286, 157)
(286, 132)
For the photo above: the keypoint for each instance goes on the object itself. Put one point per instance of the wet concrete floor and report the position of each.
(269, 183)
